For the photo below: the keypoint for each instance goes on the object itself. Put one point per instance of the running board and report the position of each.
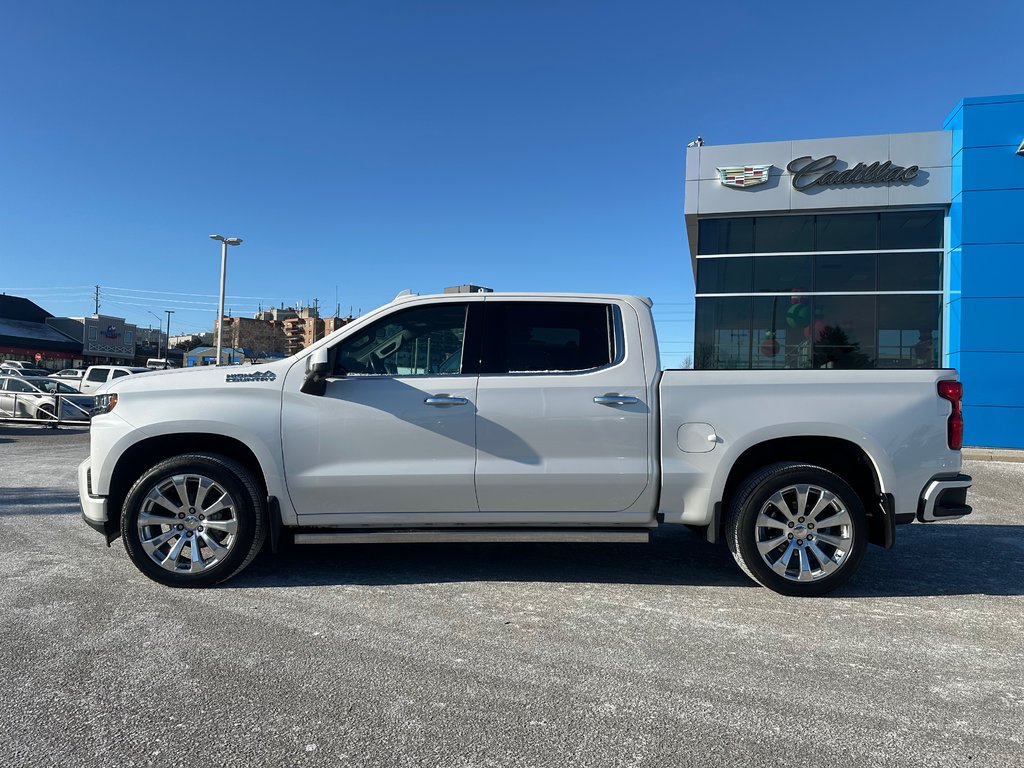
(475, 536)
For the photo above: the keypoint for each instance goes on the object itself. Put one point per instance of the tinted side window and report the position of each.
(421, 341)
(97, 374)
(525, 337)
(118, 374)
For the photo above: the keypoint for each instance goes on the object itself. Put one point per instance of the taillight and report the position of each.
(954, 392)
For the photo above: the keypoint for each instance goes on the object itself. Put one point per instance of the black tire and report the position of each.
(225, 542)
(46, 413)
(810, 557)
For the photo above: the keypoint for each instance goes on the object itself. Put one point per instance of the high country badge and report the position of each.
(743, 175)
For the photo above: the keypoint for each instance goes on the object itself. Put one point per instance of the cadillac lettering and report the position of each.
(805, 168)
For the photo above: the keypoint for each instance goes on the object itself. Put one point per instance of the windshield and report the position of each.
(52, 386)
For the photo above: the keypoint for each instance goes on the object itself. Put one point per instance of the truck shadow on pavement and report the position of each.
(947, 559)
(672, 557)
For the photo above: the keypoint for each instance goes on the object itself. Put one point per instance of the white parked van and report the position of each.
(98, 375)
(159, 364)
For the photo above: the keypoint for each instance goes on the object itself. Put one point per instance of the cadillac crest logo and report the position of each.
(743, 175)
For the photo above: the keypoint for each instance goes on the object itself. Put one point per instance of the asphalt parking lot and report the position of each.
(504, 655)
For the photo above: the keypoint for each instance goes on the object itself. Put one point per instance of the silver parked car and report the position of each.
(70, 376)
(43, 398)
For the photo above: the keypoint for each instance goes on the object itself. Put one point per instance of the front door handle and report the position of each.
(445, 400)
(615, 399)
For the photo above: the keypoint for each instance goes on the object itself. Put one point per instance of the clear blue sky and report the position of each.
(364, 148)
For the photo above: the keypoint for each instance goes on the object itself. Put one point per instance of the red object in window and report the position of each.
(954, 392)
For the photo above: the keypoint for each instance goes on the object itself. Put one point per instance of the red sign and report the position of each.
(38, 357)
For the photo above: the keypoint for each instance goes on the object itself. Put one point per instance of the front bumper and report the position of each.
(944, 499)
(94, 508)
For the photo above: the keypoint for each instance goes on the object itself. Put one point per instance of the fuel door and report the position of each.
(697, 437)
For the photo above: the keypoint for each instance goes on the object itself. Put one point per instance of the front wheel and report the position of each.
(194, 520)
(797, 529)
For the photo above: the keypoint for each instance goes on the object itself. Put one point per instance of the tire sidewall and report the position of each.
(222, 471)
(752, 497)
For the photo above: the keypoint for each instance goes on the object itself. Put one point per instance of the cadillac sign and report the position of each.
(743, 175)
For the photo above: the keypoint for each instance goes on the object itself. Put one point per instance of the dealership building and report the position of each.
(893, 251)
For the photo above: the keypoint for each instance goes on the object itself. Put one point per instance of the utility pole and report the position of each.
(169, 313)
(316, 317)
(97, 311)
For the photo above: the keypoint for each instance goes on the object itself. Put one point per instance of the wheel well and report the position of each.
(134, 462)
(844, 458)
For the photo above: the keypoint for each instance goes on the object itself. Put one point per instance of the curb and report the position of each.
(992, 454)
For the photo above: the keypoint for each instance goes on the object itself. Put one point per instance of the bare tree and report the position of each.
(259, 339)
(187, 345)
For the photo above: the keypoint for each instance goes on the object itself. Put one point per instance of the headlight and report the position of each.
(104, 403)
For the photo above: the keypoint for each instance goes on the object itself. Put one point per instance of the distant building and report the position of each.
(25, 332)
(104, 338)
(468, 288)
(208, 356)
(195, 339)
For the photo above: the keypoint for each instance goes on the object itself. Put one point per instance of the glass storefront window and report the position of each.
(911, 229)
(844, 272)
(781, 335)
(725, 236)
(731, 275)
(854, 309)
(846, 232)
(722, 333)
(783, 233)
(842, 330)
(910, 271)
(908, 331)
(782, 273)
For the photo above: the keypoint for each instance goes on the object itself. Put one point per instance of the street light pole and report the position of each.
(224, 243)
(159, 323)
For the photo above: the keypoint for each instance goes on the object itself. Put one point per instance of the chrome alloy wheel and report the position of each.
(804, 532)
(188, 523)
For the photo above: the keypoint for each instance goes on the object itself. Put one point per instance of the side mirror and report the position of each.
(318, 367)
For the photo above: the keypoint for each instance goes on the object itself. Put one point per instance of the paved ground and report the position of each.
(504, 655)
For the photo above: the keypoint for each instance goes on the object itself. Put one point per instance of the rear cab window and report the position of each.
(549, 337)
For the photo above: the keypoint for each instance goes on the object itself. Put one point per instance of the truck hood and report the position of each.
(205, 377)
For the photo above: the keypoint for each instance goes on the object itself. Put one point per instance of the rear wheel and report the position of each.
(797, 529)
(194, 520)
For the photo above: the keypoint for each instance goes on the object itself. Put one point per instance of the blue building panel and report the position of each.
(985, 268)
(995, 215)
(994, 270)
(983, 166)
(992, 382)
(993, 427)
(993, 125)
(991, 325)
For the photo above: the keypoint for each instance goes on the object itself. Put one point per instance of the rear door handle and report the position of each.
(445, 400)
(615, 399)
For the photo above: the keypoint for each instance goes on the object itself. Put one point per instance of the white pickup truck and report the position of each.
(518, 417)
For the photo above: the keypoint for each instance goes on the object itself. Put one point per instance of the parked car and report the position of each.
(520, 417)
(16, 364)
(24, 371)
(43, 397)
(70, 376)
(98, 375)
(159, 364)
